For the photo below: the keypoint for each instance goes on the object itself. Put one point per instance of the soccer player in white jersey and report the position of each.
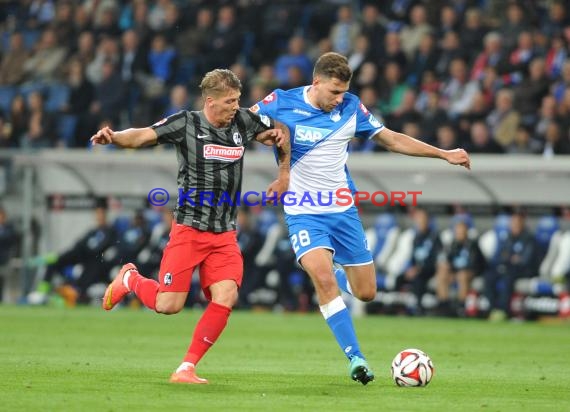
(322, 118)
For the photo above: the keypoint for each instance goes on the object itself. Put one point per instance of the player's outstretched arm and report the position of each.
(404, 144)
(128, 138)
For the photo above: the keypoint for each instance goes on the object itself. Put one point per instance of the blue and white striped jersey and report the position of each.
(319, 146)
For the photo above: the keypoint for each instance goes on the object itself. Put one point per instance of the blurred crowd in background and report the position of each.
(488, 75)
(425, 265)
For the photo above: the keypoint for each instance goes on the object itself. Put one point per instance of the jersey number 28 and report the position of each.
(300, 239)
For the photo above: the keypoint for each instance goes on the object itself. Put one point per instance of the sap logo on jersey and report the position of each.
(310, 135)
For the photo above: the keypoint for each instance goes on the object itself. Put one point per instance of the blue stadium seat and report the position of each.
(28, 88)
(266, 220)
(492, 240)
(247, 47)
(502, 226)
(5, 40)
(384, 224)
(31, 38)
(121, 224)
(152, 217)
(66, 125)
(57, 97)
(185, 70)
(545, 228)
(7, 94)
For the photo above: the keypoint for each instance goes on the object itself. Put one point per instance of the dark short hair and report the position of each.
(219, 81)
(333, 65)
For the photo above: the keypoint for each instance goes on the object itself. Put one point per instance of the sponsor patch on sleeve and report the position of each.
(375, 123)
(254, 108)
(265, 120)
(269, 98)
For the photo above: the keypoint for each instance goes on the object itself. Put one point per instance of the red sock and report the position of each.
(146, 289)
(208, 329)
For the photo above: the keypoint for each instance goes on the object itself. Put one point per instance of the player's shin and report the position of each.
(209, 328)
(338, 318)
(146, 289)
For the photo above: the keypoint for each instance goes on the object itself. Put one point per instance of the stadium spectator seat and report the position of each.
(270, 230)
(66, 124)
(28, 88)
(546, 228)
(31, 38)
(185, 70)
(382, 239)
(7, 93)
(490, 241)
(248, 47)
(57, 96)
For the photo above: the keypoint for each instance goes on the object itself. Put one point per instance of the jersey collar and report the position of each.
(306, 97)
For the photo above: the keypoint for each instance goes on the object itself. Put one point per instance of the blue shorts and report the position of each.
(341, 233)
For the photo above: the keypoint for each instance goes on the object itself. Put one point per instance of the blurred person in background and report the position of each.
(8, 245)
(225, 42)
(411, 35)
(425, 250)
(460, 264)
(179, 100)
(45, 63)
(516, 260)
(556, 141)
(86, 251)
(344, 32)
(524, 143)
(12, 65)
(17, 120)
(41, 129)
(504, 120)
(109, 94)
(295, 56)
(481, 140)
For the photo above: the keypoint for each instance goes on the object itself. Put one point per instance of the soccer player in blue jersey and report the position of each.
(322, 118)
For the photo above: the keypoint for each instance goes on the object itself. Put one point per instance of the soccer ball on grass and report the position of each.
(412, 367)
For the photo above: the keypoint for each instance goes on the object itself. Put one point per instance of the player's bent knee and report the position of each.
(168, 307)
(366, 295)
(227, 299)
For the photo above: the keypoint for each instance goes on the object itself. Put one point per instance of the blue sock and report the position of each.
(342, 280)
(341, 326)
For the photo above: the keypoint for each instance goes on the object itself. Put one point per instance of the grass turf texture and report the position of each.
(89, 360)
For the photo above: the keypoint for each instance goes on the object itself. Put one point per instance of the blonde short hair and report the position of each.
(219, 81)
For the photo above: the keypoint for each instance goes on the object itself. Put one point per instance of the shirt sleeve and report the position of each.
(268, 106)
(255, 123)
(366, 123)
(171, 129)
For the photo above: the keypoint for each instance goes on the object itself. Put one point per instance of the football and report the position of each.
(412, 367)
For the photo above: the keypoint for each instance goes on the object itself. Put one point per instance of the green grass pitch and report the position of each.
(85, 359)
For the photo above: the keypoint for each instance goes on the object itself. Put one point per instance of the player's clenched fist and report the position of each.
(103, 136)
